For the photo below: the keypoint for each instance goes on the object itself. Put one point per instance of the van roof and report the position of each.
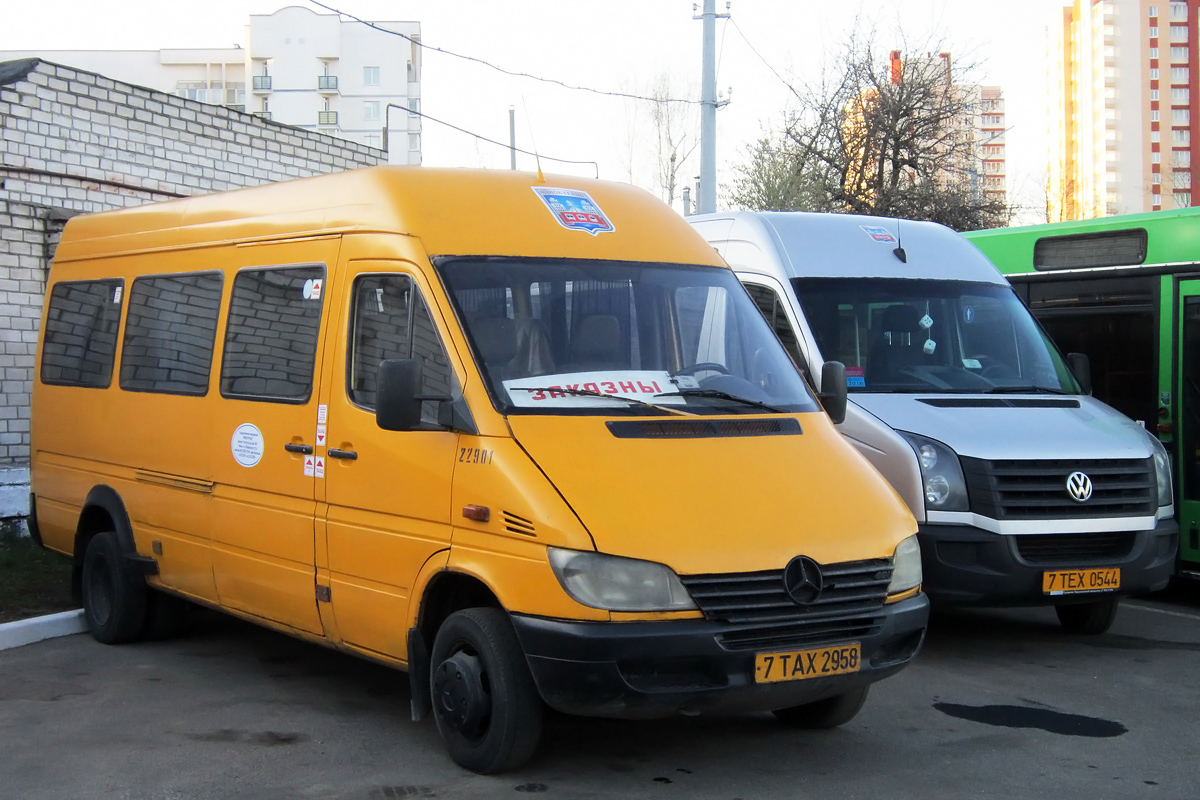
(452, 211)
(848, 245)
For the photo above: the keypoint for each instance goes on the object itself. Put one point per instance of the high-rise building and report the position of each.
(1122, 112)
(347, 79)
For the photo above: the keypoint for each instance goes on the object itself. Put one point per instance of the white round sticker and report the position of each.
(308, 289)
(247, 445)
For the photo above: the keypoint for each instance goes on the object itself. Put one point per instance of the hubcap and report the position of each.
(458, 693)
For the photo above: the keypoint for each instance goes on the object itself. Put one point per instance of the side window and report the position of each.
(170, 333)
(772, 308)
(81, 333)
(271, 337)
(390, 320)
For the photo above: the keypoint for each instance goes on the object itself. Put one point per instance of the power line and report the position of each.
(511, 73)
(759, 55)
(423, 115)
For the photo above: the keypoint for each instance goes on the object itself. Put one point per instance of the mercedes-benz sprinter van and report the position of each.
(1027, 490)
(523, 437)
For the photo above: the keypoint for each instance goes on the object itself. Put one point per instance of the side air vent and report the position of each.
(515, 524)
(703, 428)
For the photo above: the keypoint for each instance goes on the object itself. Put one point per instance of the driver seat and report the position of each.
(897, 347)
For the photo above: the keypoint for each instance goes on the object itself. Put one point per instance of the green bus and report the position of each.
(1125, 291)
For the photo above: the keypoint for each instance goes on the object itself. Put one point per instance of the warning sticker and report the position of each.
(247, 445)
(309, 466)
(879, 234)
(312, 289)
(320, 436)
(322, 413)
(574, 209)
(320, 466)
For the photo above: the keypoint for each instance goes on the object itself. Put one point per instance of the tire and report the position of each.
(485, 704)
(114, 597)
(166, 615)
(1088, 618)
(828, 713)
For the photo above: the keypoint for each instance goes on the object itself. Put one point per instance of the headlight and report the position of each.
(941, 475)
(906, 566)
(1162, 471)
(618, 584)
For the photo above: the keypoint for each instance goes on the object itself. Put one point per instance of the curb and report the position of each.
(36, 629)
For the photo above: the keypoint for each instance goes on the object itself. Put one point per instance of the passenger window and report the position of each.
(271, 338)
(772, 308)
(170, 333)
(390, 320)
(81, 333)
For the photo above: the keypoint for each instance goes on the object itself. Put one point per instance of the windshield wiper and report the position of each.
(590, 393)
(1023, 390)
(718, 394)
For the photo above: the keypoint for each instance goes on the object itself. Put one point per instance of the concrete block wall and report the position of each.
(75, 142)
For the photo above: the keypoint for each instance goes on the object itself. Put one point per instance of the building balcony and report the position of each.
(327, 84)
(327, 118)
(263, 114)
(261, 83)
(236, 106)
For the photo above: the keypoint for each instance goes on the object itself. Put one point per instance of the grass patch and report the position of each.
(33, 581)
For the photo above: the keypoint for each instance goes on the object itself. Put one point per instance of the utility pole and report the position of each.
(706, 196)
(512, 136)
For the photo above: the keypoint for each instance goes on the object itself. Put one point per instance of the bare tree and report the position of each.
(674, 136)
(894, 137)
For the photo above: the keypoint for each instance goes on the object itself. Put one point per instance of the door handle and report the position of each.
(349, 455)
(304, 449)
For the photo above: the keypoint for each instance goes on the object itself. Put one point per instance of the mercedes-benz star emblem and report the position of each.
(803, 580)
(1079, 486)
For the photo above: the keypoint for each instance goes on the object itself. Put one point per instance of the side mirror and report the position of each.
(397, 396)
(833, 390)
(1081, 368)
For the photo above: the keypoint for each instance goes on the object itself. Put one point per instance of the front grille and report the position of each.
(1017, 490)
(1075, 548)
(762, 614)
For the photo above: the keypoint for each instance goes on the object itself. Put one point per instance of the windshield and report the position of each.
(558, 336)
(898, 335)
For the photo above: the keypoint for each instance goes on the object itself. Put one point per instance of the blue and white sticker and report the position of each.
(879, 234)
(574, 209)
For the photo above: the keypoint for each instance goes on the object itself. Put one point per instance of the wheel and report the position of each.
(1092, 617)
(166, 615)
(703, 366)
(828, 713)
(486, 706)
(114, 597)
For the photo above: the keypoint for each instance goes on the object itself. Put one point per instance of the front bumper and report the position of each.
(966, 566)
(637, 670)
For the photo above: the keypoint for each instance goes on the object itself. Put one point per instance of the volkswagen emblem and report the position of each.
(803, 581)
(1079, 486)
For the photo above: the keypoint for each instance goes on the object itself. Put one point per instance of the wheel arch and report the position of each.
(445, 592)
(103, 510)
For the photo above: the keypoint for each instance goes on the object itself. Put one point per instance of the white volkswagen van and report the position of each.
(1027, 490)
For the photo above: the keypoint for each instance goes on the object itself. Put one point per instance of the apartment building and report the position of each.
(1123, 113)
(313, 71)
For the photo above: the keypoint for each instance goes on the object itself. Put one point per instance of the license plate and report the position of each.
(1069, 581)
(800, 664)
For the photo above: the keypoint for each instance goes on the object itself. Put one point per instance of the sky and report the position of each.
(615, 46)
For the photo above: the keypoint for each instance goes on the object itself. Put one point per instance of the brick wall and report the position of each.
(75, 142)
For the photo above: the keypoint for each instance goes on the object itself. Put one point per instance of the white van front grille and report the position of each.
(1023, 490)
